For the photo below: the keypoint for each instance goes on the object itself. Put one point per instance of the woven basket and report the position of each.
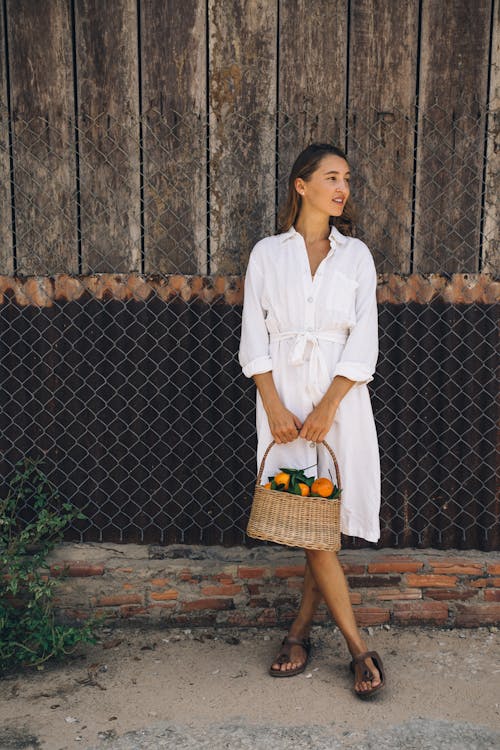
(308, 522)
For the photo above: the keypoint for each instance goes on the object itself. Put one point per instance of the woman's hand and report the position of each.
(283, 423)
(318, 423)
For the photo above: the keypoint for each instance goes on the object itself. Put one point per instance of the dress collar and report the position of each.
(334, 235)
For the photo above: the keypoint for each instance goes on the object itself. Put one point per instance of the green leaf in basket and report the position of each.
(274, 486)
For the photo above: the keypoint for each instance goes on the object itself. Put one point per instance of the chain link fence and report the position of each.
(124, 245)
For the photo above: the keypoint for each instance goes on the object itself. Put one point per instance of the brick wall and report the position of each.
(237, 586)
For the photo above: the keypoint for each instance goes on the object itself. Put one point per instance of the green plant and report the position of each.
(32, 522)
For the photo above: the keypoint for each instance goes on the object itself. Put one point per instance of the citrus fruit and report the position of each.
(322, 486)
(304, 489)
(267, 485)
(282, 478)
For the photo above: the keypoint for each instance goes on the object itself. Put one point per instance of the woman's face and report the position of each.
(327, 189)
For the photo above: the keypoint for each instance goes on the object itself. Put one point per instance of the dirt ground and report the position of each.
(145, 688)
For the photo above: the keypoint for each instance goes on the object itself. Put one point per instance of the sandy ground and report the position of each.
(208, 688)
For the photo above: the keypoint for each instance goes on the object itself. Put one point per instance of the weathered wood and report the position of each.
(173, 60)
(108, 102)
(43, 136)
(382, 73)
(312, 78)
(242, 45)
(491, 247)
(451, 122)
(6, 256)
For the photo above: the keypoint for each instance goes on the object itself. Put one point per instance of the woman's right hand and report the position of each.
(284, 425)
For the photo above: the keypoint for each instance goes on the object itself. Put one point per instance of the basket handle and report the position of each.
(323, 442)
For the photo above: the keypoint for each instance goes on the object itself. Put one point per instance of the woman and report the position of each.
(309, 340)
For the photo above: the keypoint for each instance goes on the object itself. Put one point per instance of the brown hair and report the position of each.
(305, 164)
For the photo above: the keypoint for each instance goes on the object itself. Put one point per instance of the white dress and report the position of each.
(308, 330)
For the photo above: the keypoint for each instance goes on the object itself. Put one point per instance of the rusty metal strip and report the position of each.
(43, 291)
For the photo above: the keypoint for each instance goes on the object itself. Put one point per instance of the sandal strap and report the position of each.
(304, 642)
(367, 673)
(287, 643)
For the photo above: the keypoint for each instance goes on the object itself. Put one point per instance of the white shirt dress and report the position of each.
(307, 330)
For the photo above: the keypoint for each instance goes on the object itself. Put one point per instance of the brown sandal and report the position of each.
(284, 656)
(367, 674)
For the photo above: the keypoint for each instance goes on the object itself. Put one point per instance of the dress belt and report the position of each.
(319, 378)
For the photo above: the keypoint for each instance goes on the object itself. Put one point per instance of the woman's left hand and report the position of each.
(318, 423)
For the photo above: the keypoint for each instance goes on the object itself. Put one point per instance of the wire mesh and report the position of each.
(124, 247)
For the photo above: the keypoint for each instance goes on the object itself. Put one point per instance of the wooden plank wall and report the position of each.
(41, 93)
(173, 63)
(451, 134)
(219, 86)
(6, 250)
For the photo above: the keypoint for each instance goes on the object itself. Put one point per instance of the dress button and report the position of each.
(310, 299)
(312, 445)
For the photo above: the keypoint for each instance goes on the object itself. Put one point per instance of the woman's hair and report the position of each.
(305, 164)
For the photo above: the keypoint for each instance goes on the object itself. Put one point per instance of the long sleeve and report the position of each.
(254, 356)
(359, 358)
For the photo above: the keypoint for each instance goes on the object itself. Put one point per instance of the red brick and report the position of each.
(208, 604)
(163, 605)
(289, 571)
(247, 572)
(253, 589)
(76, 569)
(461, 567)
(230, 590)
(390, 594)
(117, 600)
(163, 596)
(74, 614)
(160, 581)
(128, 586)
(267, 617)
(450, 594)
(259, 601)
(353, 568)
(395, 565)
(492, 595)
(494, 568)
(224, 578)
(371, 615)
(494, 582)
(479, 583)
(355, 597)
(124, 570)
(430, 580)
(474, 615)
(357, 582)
(239, 619)
(420, 612)
(130, 611)
(186, 575)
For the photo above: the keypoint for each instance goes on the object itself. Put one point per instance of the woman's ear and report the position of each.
(299, 185)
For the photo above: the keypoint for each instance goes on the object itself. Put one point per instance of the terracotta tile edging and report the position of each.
(42, 291)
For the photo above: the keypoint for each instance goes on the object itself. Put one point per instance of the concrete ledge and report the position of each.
(185, 585)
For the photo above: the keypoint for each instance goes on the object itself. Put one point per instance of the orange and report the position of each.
(304, 489)
(322, 487)
(267, 485)
(282, 478)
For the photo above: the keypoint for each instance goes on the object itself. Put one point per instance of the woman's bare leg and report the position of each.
(311, 599)
(330, 579)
